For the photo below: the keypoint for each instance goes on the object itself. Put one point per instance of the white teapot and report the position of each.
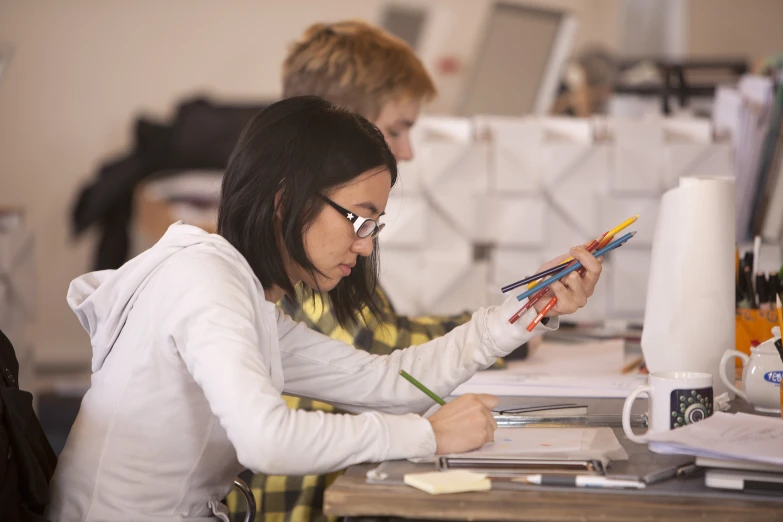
(761, 375)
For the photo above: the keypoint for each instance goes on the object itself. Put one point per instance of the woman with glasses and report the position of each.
(191, 355)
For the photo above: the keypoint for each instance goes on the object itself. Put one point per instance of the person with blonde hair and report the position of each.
(366, 70)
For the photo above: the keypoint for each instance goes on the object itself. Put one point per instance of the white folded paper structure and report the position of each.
(488, 199)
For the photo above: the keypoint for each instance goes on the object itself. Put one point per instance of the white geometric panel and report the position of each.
(510, 264)
(466, 294)
(717, 162)
(682, 159)
(442, 128)
(585, 167)
(528, 190)
(686, 129)
(518, 158)
(461, 167)
(630, 271)
(444, 235)
(513, 221)
(637, 156)
(408, 178)
(431, 160)
(406, 221)
(616, 209)
(441, 271)
(567, 143)
(562, 160)
(462, 210)
(572, 219)
(400, 278)
(567, 129)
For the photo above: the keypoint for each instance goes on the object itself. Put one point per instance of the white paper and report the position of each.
(530, 385)
(534, 442)
(521, 442)
(728, 436)
(689, 313)
(555, 443)
(561, 370)
(593, 358)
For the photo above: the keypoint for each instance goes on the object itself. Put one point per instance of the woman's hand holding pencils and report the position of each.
(562, 268)
(595, 244)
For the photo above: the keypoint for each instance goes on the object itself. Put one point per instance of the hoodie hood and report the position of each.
(102, 300)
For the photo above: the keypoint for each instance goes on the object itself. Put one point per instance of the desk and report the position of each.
(677, 499)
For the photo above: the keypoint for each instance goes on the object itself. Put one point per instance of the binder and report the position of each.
(509, 467)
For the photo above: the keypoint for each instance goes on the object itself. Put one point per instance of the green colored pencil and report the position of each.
(423, 388)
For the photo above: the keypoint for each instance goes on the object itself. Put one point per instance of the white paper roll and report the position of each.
(689, 314)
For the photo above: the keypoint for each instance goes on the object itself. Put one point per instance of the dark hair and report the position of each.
(301, 147)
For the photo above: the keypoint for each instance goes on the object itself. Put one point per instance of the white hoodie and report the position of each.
(189, 361)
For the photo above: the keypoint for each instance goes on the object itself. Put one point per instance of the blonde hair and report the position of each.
(355, 65)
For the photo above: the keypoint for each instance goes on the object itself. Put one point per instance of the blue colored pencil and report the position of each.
(577, 266)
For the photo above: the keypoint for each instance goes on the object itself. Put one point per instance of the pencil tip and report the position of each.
(633, 233)
(777, 298)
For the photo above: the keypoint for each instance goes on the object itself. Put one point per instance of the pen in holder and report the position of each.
(752, 328)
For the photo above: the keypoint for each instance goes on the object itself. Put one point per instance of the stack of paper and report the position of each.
(561, 370)
(753, 125)
(549, 443)
(726, 436)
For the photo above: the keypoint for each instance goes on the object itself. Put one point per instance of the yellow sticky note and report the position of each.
(452, 481)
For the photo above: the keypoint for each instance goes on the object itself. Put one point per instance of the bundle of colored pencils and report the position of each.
(538, 284)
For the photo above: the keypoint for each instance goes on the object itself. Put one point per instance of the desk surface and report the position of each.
(684, 498)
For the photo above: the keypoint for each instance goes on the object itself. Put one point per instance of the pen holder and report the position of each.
(752, 327)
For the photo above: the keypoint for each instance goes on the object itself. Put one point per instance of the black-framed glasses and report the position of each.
(364, 227)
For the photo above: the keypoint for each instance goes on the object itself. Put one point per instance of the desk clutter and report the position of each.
(739, 451)
(683, 444)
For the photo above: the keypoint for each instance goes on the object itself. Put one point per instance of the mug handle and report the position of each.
(730, 354)
(627, 413)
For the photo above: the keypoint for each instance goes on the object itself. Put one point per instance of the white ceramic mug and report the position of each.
(761, 375)
(674, 399)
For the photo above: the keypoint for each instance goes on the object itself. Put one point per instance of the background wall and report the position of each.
(83, 69)
(730, 27)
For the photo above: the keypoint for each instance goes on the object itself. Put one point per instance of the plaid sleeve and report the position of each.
(380, 335)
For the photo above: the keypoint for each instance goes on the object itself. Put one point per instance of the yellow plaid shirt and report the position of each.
(300, 498)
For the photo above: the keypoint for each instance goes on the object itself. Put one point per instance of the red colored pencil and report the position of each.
(551, 304)
(526, 307)
(598, 243)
